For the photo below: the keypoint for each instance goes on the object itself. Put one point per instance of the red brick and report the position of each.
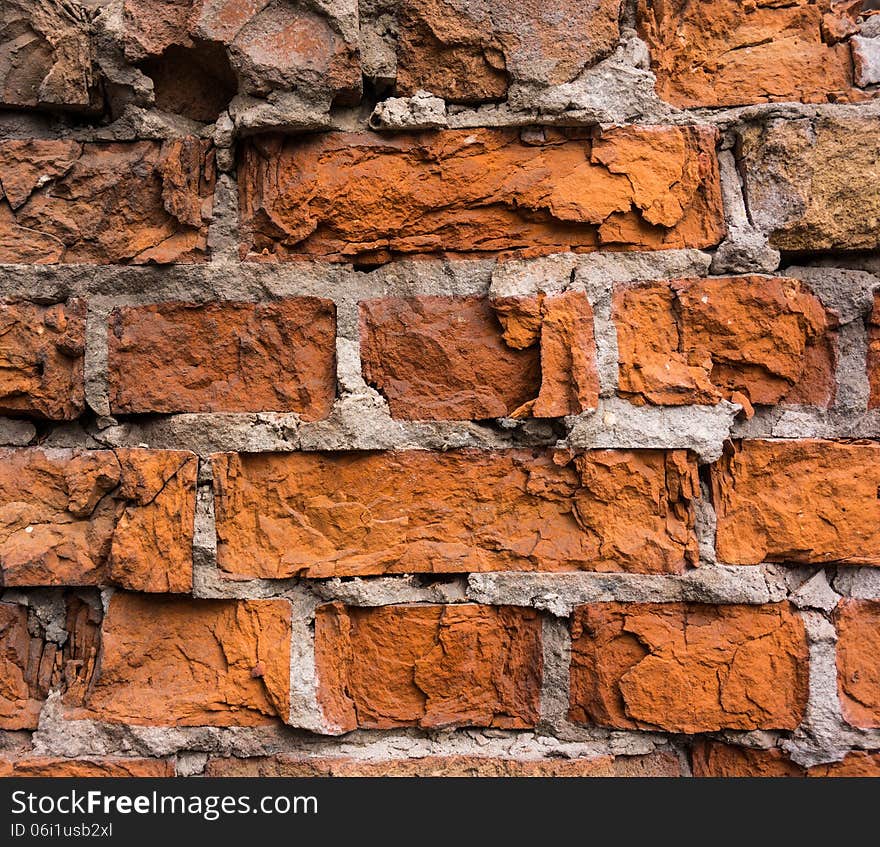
(357, 513)
(468, 53)
(41, 359)
(688, 667)
(96, 203)
(367, 198)
(807, 501)
(713, 759)
(730, 53)
(754, 340)
(224, 357)
(428, 666)
(858, 671)
(103, 517)
(168, 661)
(438, 358)
(107, 766)
(288, 765)
(46, 58)
(269, 45)
(30, 666)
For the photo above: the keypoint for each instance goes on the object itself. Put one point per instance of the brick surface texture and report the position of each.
(440, 388)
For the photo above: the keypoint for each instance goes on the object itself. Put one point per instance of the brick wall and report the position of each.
(433, 387)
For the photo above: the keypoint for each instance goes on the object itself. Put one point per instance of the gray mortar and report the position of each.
(559, 593)
(745, 249)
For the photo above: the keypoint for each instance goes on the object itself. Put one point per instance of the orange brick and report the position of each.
(753, 340)
(804, 501)
(367, 198)
(41, 359)
(186, 662)
(428, 666)
(224, 357)
(96, 203)
(858, 672)
(687, 667)
(345, 514)
(101, 517)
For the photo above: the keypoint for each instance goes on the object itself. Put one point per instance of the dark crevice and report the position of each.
(197, 82)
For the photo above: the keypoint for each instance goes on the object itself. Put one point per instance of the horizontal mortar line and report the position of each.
(494, 116)
(722, 584)
(271, 739)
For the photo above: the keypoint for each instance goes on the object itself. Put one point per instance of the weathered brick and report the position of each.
(688, 667)
(138, 202)
(713, 759)
(107, 766)
(41, 359)
(731, 53)
(754, 340)
(45, 58)
(469, 52)
(103, 517)
(285, 764)
(359, 513)
(300, 46)
(367, 198)
(438, 358)
(858, 671)
(814, 184)
(169, 661)
(30, 666)
(809, 501)
(415, 666)
(224, 357)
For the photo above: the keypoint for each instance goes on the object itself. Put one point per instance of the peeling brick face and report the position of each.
(224, 357)
(415, 666)
(468, 52)
(688, 668)
(185, 662)
(31, 666)
(45, 58)
(438, 358)
(713, 759)
(139, 202)
(806, 501)
(730, 53)
(814, 184)
(344, 514)
(368, 198)
(270, 45)
(858, 673)
(105, 517)
(752, 340)
(41, 359)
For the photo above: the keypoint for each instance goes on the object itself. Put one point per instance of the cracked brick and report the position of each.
(415, 666)
(369, 198)
(752, 340)
(103, 517)
(688, 667)
(360, 513)
(169, 661)
(224, 357)
(100, 203)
